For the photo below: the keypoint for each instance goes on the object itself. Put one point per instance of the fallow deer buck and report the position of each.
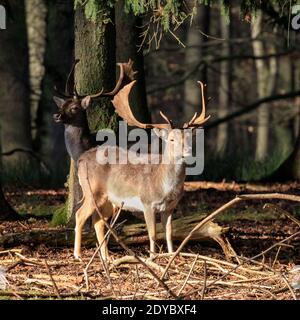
(72, 110)
(149, 188)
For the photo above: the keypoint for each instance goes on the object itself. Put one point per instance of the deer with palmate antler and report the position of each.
(72, 109)
(149, 188)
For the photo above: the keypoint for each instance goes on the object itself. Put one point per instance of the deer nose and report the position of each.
(57, 117)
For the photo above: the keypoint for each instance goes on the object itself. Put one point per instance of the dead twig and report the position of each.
(133, 260)
(205, 281)
(51, 278)
(250, 260)
(85, 271)
(188, 276)
(225, 207)
(281, 211)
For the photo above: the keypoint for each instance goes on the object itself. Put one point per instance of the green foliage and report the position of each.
(168, 12)
(60, 216)
(95, 9)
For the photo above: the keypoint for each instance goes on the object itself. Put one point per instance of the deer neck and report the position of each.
(78, 139)
(172, 174)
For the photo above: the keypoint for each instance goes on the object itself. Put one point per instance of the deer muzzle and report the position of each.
(57, 117)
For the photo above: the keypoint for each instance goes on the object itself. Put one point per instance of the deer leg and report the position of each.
(99, 225)
(82, 214)
(107, 211)
(149, 215)
(166, 221)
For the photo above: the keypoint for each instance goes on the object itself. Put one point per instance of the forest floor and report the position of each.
(199, 272)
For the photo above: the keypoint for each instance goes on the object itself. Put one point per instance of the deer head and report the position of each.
(72, 106)
(176, 139)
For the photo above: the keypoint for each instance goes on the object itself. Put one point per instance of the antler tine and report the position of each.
(202, 115)
(96, 95)
(119, 83)
(126, 76)
(123, 109)
(193, 119)
(69, 89)
(76, 95)
(58, 92)
(167, 119)
(197, 121)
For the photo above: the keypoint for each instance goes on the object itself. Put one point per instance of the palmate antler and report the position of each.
(123, 109)
(126, 75)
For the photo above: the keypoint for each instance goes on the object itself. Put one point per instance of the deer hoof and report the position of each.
(77, 257)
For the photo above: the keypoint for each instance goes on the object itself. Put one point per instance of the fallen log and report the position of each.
(193, 186)
(131, 234)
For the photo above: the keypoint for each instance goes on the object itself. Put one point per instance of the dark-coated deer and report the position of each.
(72, 111)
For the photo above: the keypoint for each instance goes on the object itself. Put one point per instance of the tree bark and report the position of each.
(290, 168)
(262, 89)
(36, 12)
(127, 41)
(222, 135)
(50, 138)
(14, 95)
(6, 211)
(95, 48)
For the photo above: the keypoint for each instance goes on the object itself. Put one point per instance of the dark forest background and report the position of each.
(245, 51)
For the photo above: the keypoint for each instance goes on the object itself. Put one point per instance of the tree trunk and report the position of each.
(127, 40)
(95, 47)
(50, 138)
(262, 91)
(193, 54)
(36, 11)
(290, 168)
(224, 90)
(14, 95)
(6, 211)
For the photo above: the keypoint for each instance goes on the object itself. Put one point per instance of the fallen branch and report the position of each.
(131, 234)
(225, 207)
(51, 278)
(133, 260)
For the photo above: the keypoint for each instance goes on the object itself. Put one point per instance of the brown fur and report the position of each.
(155, 188)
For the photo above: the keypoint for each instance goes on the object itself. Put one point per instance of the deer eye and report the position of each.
(74, 109)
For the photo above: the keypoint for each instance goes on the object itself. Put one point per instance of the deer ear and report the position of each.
(59, 101)
(86, 101)
(161, 133)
